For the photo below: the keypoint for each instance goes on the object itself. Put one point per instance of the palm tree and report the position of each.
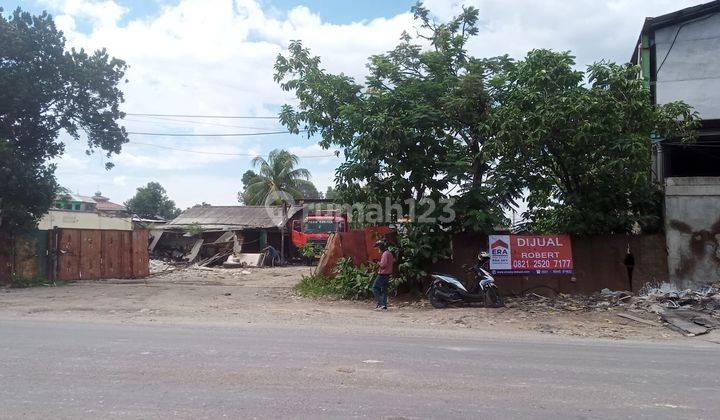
(276, 174)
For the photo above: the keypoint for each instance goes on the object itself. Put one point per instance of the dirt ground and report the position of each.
(265, 296)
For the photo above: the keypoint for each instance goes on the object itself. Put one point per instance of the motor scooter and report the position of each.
(446, 289)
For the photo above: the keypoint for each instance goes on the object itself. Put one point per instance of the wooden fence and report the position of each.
(75, 254)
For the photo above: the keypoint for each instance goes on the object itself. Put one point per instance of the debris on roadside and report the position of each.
(160, 266)
(690, 312)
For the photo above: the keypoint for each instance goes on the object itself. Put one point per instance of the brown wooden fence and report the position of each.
(74, 254)
(88, 254)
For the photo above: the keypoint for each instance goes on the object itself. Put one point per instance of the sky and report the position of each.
(215, 57)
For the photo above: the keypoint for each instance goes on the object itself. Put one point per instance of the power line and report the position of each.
(215, 153)
(161, 120)
(235, 117)
(138, 133)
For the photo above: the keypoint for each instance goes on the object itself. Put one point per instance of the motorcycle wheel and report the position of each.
(493, 299)
(436, 301)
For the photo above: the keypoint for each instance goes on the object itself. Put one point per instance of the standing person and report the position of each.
(385, 270)
(629, 263)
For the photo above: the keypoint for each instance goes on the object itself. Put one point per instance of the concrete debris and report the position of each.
(689, 322)
(690, 312)
(159, 266)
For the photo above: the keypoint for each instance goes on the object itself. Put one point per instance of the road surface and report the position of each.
(95, 370)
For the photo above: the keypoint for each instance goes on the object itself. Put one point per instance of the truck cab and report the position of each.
(316, 227)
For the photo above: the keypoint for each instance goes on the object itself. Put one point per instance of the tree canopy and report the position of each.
(579, 142)
(151, 201)
(432, 121)
(278, 173)
(330, 193)
(417, 127)
(24, 190)
(44, 90)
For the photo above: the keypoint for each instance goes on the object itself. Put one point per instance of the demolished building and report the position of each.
(209, 235)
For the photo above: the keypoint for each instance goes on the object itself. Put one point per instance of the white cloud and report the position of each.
(217, 56)
(185, 157)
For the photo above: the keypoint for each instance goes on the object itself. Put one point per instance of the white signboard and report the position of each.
(500, 252)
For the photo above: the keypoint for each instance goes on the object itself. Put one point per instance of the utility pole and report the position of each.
(282, 231)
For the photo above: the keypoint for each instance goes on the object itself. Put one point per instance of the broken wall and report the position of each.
(692, 226)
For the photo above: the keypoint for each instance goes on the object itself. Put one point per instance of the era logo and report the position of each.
(499, 247)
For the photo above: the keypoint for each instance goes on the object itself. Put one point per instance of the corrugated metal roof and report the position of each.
(110, 206)
(232, 217)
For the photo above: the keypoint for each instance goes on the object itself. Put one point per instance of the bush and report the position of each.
(353, 282)
(418, 247)
(350, 282)
(311, 250)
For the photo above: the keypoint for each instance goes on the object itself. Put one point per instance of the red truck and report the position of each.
(317, 226)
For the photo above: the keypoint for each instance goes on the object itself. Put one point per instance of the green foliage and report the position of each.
(419, 124)
(248, 177)
(151, 201)
(277, 173)
(193, 229)
(307, 189)
(353, 282)
(315, 285)
(331, 194)
(350, 282)
(44, 90)
(418, 247)
(583, 149)
(311, 250)
(26, 190)
(431, 119)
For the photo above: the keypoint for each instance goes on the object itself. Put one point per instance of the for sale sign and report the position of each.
(530, 254)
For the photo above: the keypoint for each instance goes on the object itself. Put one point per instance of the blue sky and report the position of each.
(216, 57)
(336, 11)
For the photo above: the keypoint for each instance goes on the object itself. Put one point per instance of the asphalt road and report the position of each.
(76, 370)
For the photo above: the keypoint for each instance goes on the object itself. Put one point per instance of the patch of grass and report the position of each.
(315, 285)
(21, 282)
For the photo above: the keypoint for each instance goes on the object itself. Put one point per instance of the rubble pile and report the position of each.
(690, 312)
(160, 266)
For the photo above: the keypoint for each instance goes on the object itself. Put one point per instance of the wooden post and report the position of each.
(282, 231)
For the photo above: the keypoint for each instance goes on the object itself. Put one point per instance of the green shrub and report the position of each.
(193, 229)
(350, 282)
(353, 282)
(315, 285)
(311, 250)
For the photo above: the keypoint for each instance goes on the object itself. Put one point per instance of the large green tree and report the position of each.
(276, 174)
(331, 193)
(46, 89)
(24, 189)
(151, 201)
(307, 190)
(580, 143)
(417, 127)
